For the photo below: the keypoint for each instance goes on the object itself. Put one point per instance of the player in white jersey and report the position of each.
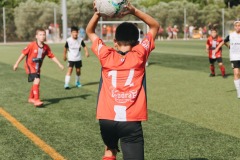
(234, 42)
(72, 53)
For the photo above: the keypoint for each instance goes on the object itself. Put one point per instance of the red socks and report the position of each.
(109, 158)
(212, 69)
(222, 68)
(35, 90)
(31, 96)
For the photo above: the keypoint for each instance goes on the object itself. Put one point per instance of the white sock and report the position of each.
(237, 86)
(67, 79)
(77, 78)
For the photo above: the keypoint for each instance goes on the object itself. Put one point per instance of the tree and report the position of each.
(234, 13)
(172, 13)
(10, 4)
(15, 3)
(79, 12)
(32, 15)
(232, 3)
(148, 3)
(214, 15)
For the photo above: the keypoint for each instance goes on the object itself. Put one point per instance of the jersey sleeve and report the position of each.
(49, 53)
(226, 39)
(83, 44)
(148, 43)
(100, 49)
(66, 45)
(26, 50)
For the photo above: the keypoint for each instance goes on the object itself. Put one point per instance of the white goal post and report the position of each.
(101, 24)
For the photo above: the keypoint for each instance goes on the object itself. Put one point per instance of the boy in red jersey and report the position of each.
(122, 103)
(212, 42)
(35, 52)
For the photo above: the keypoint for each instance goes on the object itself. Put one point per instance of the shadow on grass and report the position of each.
(184, 62)
(90, 83)
(57, 100)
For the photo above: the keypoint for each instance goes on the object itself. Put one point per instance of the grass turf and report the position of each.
(191, 116)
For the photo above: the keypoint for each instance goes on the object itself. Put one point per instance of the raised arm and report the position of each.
(151, 22)
(90, 30)
(18, 61)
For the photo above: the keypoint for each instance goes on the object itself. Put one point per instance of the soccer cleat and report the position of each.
(31, 100)
(212, 75)
(66, 86)
(78, 84)
(224, 76)
(38, 103)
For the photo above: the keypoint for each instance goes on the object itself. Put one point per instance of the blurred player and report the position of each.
(234, 40)
(35, 53)
(72, 53)
(122, 103)
(212, 42)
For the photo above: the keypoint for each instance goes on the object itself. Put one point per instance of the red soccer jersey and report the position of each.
(122, 91)
(213, 43)
(33, 51)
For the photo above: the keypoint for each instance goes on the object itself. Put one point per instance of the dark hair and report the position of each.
(40, 30)
(127, 34)
(74, 28)
(214, 27)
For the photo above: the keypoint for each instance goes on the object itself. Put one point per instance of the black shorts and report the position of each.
(32, 76)
(77, 64)
(235, 64)
(130, 135)
(212, 61)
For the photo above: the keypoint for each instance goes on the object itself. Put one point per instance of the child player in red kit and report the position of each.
(35, 52)
(122, 100)
(212, 42)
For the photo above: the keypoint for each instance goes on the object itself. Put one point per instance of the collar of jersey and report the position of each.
(122, 53)
(39, 46)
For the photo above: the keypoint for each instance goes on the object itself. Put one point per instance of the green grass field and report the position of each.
(191, 116)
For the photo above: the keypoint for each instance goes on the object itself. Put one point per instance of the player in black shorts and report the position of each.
(72, 52)
(212, 42)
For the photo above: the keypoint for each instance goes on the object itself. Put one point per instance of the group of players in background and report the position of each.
(214, 49)
(122, 92)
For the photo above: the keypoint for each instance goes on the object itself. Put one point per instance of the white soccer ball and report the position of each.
(110, 8)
